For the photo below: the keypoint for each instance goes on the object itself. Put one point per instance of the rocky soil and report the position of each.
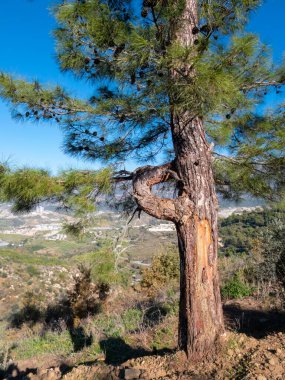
(240, 357)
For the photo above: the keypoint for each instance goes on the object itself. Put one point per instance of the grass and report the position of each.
(60, 247)
(13, 238)
(23, 257)
(164, 335)
(132, 319)
(109, 325)
(89, 353)
(32, 270)
(50, 343)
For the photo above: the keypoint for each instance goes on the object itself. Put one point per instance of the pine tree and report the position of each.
(179, 81)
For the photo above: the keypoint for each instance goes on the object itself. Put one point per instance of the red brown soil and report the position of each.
(252, 349)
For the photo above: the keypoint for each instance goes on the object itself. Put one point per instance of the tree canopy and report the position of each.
(127, 52)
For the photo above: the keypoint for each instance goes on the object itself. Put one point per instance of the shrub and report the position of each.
(83, 298)
(164, 336)
(271, 247)
(163, 271)
(32, 270)
(102, 264)
(236, 288)
(274, 249)
(3, 274)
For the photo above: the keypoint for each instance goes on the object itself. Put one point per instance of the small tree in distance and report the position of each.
(179, 81)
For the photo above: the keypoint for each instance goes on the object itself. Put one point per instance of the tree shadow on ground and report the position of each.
(13, 372)
(254, 323)
(56, 317)
(117, 351)
(153, 312)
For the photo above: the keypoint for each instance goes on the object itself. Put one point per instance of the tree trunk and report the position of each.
(194, 213)
(200, 312)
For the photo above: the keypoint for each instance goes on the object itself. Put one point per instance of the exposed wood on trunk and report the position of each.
(200, 316)
(200, 313)
(194, 213)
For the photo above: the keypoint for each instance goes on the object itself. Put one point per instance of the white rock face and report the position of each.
(225, 212)
(162, 227)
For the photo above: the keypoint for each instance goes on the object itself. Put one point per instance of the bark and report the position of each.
(200, 312)
(174, 210)
(194, 213)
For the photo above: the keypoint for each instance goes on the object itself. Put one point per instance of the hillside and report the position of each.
(120, 320)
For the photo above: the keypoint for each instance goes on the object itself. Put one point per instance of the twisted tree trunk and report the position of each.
(194, 213)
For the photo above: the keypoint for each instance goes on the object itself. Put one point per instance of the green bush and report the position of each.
(3, 274)
(239, 232)
(163, 271)
(32, 271)
(102, 264)
(236, 288)
(164, 336)
(270, 252)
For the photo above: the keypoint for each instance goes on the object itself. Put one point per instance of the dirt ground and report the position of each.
(253, 348)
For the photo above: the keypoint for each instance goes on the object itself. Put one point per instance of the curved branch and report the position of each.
(177, 210)
(122, 176)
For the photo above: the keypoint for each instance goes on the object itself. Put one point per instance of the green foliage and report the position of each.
(257, 144)
(51, 342)
(240, 233)
(26, 187)
(32, 271)
(132, 319)
(236, 288)
(75, 190)
(271, 246)
(164, 271)
(102, 264)
(129, 59)
(163, 336)
(34, 102)
(75, 229)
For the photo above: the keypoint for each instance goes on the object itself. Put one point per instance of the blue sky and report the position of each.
(27, 50)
